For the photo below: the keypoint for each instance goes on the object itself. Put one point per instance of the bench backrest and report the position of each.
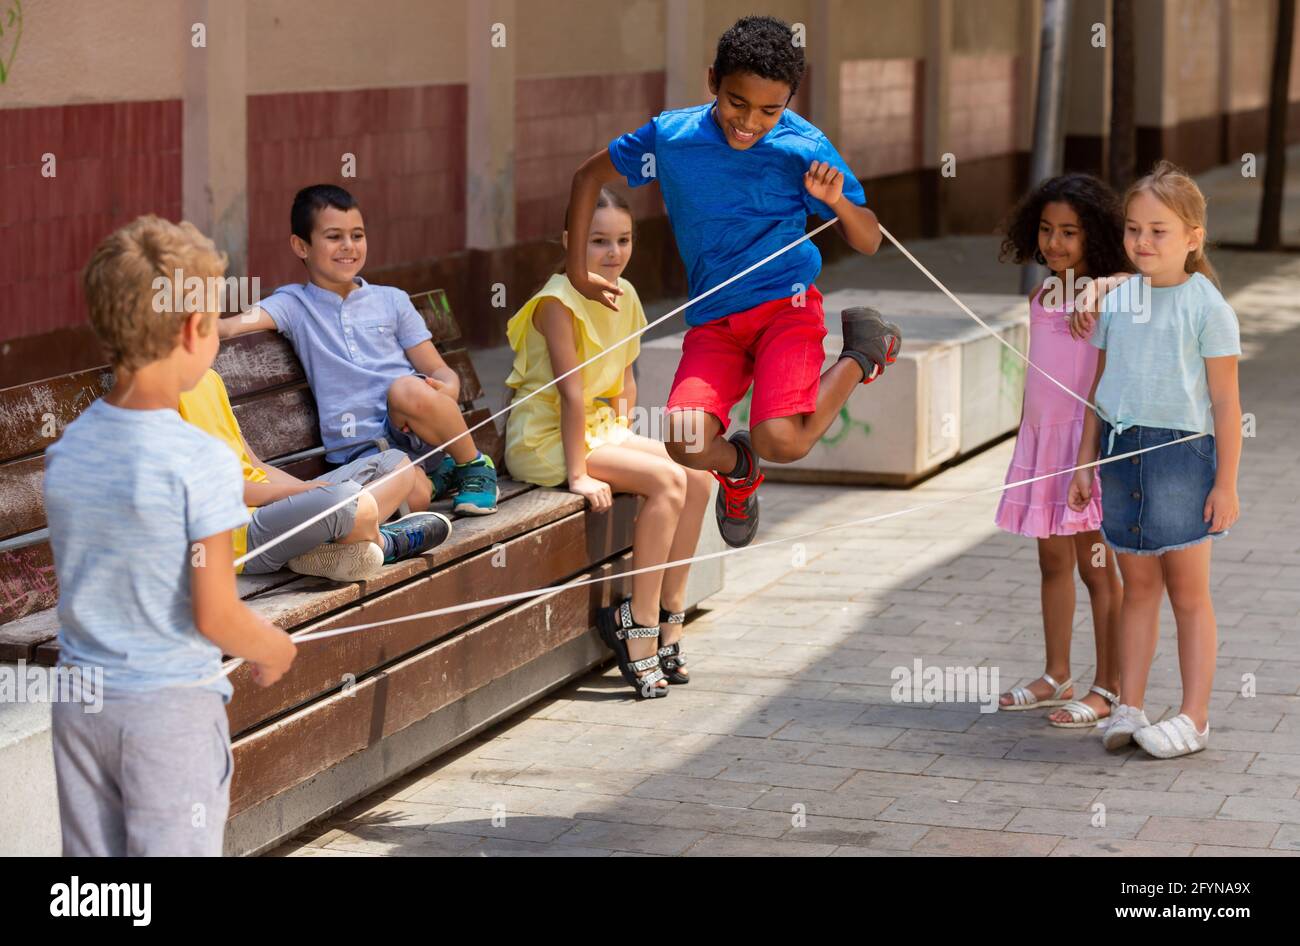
(270, 398)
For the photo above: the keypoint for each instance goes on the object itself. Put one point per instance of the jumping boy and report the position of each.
(739, 177)
(368, 355)
(141, 506)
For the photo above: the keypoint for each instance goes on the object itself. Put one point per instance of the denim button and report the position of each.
(1135, 529)
(1135, 494)
(1136, 460)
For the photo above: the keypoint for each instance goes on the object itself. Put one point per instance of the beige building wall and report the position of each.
(1087, 93)
(985, 26)
(893, 30)
(1192, 69)
(335, 44)
(71, 52)
(1251, 52)
(588, 37)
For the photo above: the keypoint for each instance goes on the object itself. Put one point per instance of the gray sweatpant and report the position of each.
(147, 776)
(279, 517)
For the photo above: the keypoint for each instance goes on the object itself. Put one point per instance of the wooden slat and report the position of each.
(249, 364)
(536, 559)
(280, 423)
(290, 600)
(32, 416)
(22, 499)
(293, 749)
(436, 312)
(458, 361)
(27, 585)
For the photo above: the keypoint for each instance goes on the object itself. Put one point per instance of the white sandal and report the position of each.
(1083, 716)
(1171, 738)
(1022, 698)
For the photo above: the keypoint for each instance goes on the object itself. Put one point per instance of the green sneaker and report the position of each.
(441, 478)
(475, 485)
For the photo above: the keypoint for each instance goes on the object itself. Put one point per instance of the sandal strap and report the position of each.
(650, 679)
(1109, 697)
(1022, 696)
(672, 617)
(645, 663)
(628, 628)
(1057, 688)
(1080, 712)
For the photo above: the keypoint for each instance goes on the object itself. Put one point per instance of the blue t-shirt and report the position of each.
(1155, 357)
(127, 494)
(731, 208)
(352, 349)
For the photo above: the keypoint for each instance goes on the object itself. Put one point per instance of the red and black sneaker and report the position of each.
(870, 341)
(737, 504)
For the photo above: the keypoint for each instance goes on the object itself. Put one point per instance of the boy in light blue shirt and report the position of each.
(369, 358)
(140, 507)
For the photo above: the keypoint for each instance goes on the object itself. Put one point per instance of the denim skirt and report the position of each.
(1155, 502)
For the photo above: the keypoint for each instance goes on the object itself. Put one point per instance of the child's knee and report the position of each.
(367, 513)
(405, 392)
(777, 443)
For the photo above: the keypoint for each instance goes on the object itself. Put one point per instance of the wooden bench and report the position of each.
(312, 742)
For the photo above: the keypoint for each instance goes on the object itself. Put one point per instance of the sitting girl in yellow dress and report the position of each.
(577, 432)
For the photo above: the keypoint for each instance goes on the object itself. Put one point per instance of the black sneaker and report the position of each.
(870, 341)
(737, 504)
(416, 533)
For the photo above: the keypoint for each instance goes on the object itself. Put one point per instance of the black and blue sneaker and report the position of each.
(413, 534)
(475, 485)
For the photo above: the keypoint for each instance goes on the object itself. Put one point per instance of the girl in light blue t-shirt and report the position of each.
(1167, 372)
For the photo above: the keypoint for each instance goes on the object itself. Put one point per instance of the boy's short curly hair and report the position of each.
(1100, 214)
(121, 292)
(762, 45)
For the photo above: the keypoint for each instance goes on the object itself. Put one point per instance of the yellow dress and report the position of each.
(534, 444)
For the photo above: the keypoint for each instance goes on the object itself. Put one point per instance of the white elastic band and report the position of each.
(537, 592)
(619, 344)
(961, 305)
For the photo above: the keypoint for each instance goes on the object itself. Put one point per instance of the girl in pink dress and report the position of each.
(1074, 226)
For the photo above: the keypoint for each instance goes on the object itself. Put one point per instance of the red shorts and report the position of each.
(776, 345)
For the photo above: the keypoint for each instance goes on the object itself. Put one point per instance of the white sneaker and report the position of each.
(1171, 738)
(353, 561)
(1125, 720)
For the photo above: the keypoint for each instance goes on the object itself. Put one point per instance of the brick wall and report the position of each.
(409, 145)
(559, 123)
(113, 162)
(982, 104)
(880, 115)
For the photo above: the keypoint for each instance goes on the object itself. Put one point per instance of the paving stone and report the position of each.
(1244, 808)
(1184, 804)
(839, 804)
(959, 814)
(1032, 795)
(729, 845)
(785, 774)
(698, 790)
(644, 839)
(1208, 831)
(1119, 847)
(1076, 824)
(968, 842)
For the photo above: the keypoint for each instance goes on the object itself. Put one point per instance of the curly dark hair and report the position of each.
(1100, 212)
(762, 45)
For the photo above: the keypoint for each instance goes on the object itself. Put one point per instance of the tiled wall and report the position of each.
(409, 145)
(113, 162)
(880, 115)
(982, 106)
(560, 122)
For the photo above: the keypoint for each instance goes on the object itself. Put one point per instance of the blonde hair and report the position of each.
(1174, 187)
(119, 283)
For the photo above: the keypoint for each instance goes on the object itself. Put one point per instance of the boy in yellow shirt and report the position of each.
(349, 544)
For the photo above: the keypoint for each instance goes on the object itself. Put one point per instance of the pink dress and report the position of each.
(1050, 429)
